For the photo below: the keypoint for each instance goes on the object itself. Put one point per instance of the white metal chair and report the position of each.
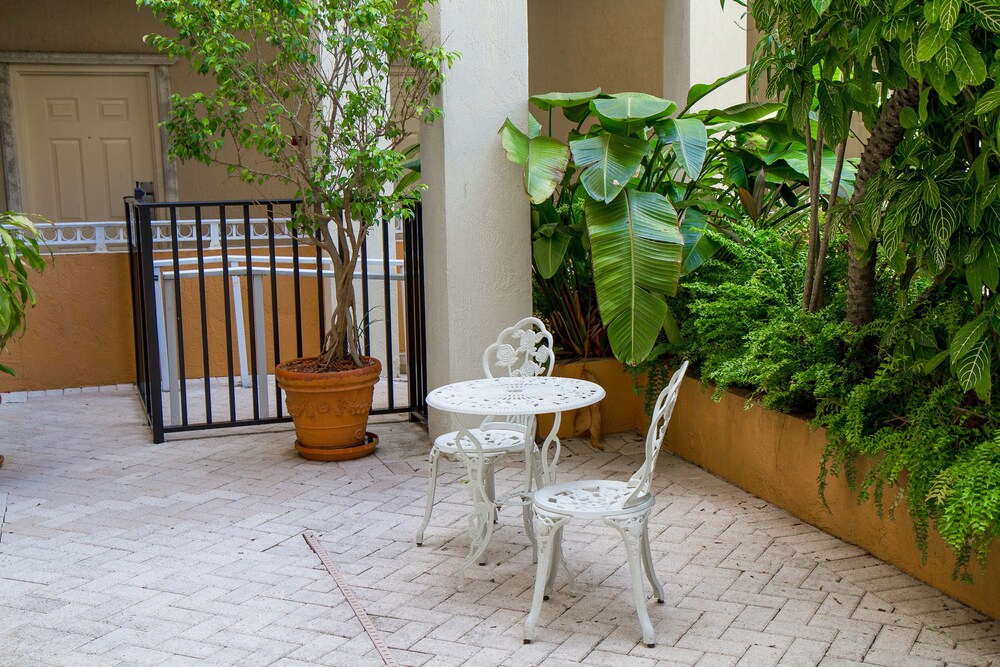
(624, 506)
(523, 350)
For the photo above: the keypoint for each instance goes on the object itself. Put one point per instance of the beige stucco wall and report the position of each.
(116, 26)
(583, 44)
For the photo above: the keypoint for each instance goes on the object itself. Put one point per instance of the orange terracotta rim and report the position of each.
(341, 453)
(375, 367)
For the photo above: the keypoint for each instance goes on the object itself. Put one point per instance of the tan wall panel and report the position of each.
(583, 44)
(777, 457)
(576, 45)
(80, 334)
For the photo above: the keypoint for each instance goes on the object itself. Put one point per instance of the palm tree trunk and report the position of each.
(885, 137)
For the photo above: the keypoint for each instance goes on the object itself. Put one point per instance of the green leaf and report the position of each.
(948, 11)
(700, 90)
(821, 6)
(637, 250)
(670, 328)
(698, 248)
(549, 251)
(969, 65)
(987, 13)
(932, 38)
(908, 58)
(691, 139)
(546, 166)
(607, 161)
(967, 337)
(632, 107)
(515, 142)
(947, 55)
(534, 127)
(931, 364)
(747, 112)
(549, 100)
(973, 369)
(988, 102)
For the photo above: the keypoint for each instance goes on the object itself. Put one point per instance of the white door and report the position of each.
(85, 136)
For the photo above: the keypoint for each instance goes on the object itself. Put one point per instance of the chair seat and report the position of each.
(494, 441)
(589, 499)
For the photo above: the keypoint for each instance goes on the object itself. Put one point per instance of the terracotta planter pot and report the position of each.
(330, 411)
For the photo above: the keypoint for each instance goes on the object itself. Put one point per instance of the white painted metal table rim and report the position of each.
(514, 396)
(509, 397)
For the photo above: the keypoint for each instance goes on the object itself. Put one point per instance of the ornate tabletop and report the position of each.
(511, 396)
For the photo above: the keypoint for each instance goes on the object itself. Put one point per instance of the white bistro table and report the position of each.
(509, 397)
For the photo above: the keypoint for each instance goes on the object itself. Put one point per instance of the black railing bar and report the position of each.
(179, 324)
(411, 345)
(252, 321)
(205, 353)
(365, 303)
(321, 296)
(276, 334)
(387, 306)
(150, 340)
(137, 305)
(422, 320)
(228, 305)
(298, 288)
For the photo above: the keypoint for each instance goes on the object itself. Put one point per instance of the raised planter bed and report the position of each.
(621, 409)
(777, 457)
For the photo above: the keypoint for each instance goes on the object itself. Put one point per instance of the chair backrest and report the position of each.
(641, 480)
(523, 350)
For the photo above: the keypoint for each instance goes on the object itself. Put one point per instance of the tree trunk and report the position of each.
(885, 137)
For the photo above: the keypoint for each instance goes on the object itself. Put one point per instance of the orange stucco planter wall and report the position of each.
(777, 457)
(621, 409)
(80, 334)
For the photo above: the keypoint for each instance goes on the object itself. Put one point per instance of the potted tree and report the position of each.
(20, 253)
(321, 95)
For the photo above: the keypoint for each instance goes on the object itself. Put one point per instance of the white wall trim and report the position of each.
(53, 58)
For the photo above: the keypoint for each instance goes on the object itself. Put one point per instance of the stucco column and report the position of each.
(477, 236)
(701, 43)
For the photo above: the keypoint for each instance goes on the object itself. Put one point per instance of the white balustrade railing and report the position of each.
(111, 236)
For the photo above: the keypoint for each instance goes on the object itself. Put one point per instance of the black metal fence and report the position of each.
(222, 291)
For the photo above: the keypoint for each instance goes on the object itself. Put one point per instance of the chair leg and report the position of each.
(491, 490)
(531, 467)
(647, 563)
(555, 555)
(631, 529)
(548, 527)
(432, 485)
(481, 519)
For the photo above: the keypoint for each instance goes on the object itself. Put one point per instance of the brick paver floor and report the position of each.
(117, 551)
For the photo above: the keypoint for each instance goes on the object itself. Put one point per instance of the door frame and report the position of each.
(155, 67)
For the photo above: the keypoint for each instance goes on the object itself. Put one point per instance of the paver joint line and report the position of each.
(359, 610)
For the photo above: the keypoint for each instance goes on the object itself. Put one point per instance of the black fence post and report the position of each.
(152, 340)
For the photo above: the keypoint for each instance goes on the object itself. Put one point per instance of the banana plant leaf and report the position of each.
(544, 160)
(691, 138)
(698, 248)
(637, 250)
(607, 162)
